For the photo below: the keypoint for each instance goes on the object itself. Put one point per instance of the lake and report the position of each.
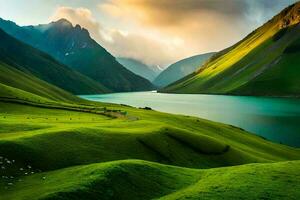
(276, 119)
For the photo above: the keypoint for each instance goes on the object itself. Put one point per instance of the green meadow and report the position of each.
(85, 150)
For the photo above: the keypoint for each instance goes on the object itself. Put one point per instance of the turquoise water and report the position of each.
(276, 119)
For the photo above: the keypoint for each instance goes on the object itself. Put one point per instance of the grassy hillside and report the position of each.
(181, 69)
(14, 83)
(23, 57)
(264, 63)
(133, 179)
(153, 136)
(73, 46)
(53, 150)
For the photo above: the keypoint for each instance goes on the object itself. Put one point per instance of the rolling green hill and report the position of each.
(181, 69)
(22, 57)
(264, 63)
(135, 180)
(73, 46)
(53, 150)
(55, 146)
(16, 84)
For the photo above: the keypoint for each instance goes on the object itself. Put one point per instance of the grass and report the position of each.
(159, 137)
(15, 83)
(135, 179)
(80, 151)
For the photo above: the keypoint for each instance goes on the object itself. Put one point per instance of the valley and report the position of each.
(80, 117)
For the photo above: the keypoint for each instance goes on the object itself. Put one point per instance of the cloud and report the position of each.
(202, 25)
(82, 16)
(177, 12)
(160, 32)
(147, 49)
(171, 12)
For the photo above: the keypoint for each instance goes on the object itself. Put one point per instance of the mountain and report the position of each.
(31, 61)
(139, 68)
(266, 62)
(78, 149)
(73, 46)
(181, 69)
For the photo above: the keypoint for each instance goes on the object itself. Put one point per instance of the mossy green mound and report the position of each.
(134, 179)
(42, 148)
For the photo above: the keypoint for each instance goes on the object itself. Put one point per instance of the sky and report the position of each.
(156, 32)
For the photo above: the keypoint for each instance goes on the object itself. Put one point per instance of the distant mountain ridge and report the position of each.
(139, 68)
(265, 63)
(73, 46)
(181, 69)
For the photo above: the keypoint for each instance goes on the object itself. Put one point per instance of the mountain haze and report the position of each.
(139, 68)
(181, 69)
(266, 62)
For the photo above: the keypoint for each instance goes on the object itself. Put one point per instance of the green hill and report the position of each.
(16, 84)
(73, 46)
(39, 137)
(158, 137)
(32, 61)
(135, 180)
(264, 63)
(181, 69)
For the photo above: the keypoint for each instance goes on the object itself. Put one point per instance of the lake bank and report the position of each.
(276, 119)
